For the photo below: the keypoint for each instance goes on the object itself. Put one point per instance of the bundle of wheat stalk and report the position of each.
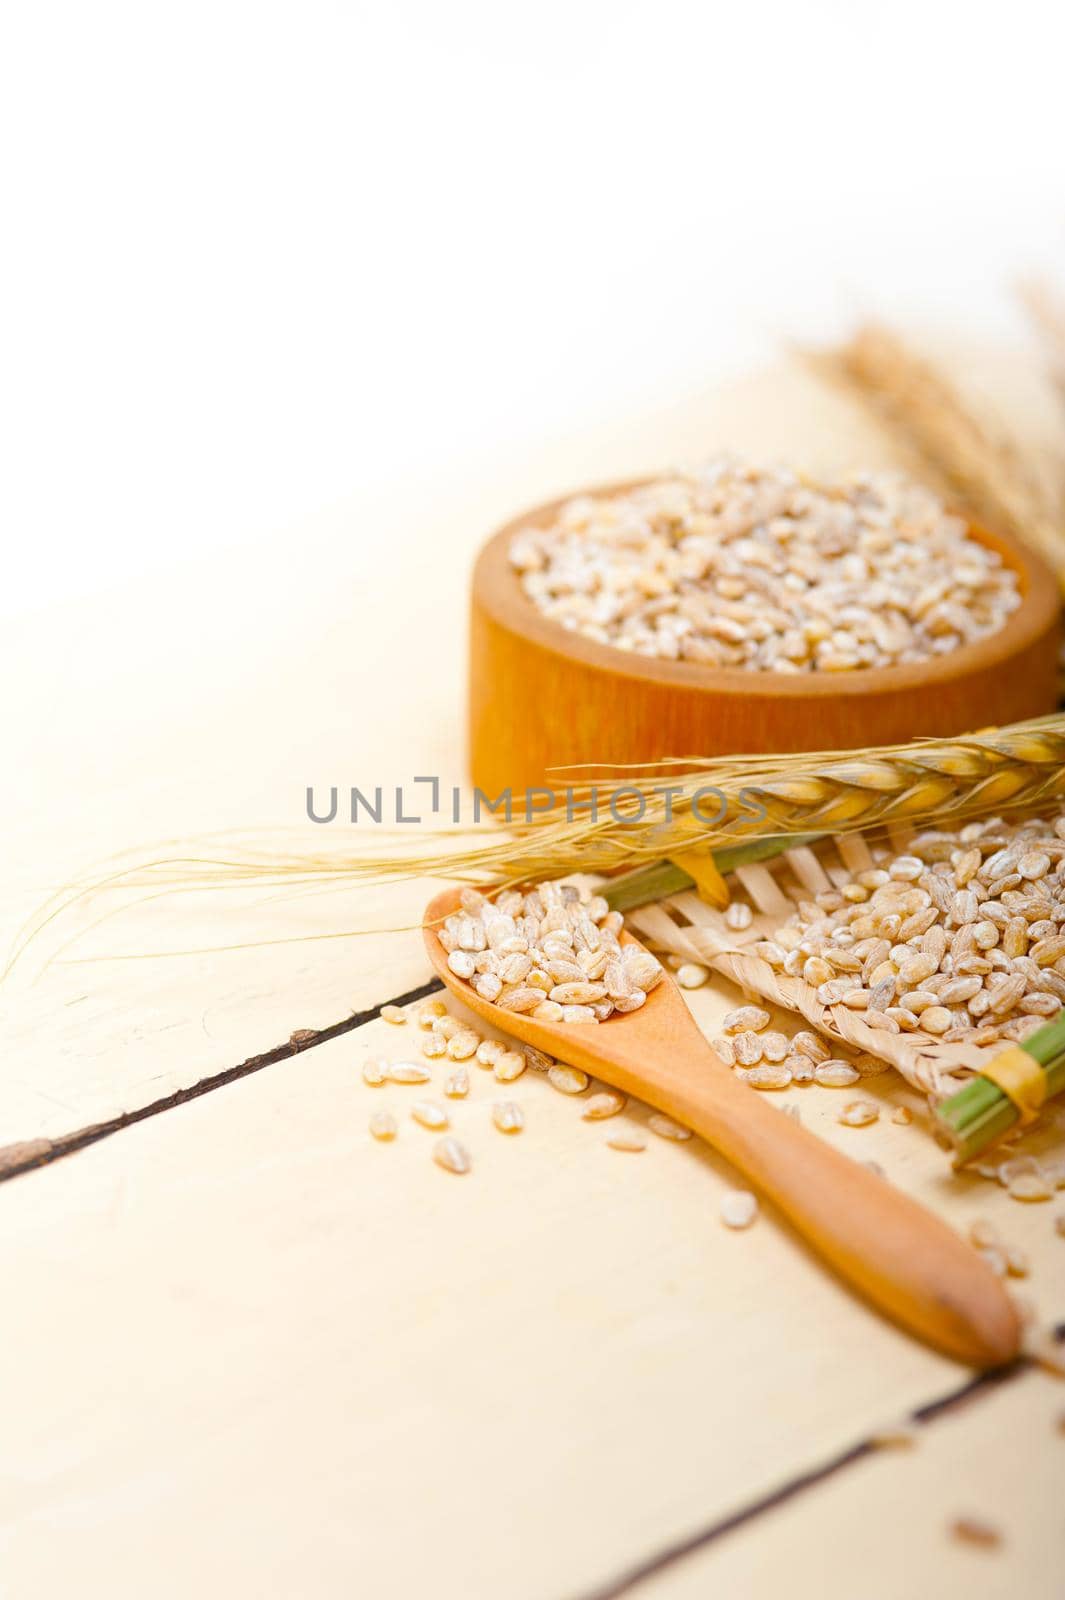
(740, 808)
(759, 805)
(972, 460)
(1047, 311)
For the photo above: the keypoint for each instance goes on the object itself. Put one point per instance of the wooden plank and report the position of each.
(549, 1368)
(205, 701)
(881, 1528)
(539, 1372)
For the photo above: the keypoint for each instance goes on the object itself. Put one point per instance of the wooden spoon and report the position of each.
(904, 1259)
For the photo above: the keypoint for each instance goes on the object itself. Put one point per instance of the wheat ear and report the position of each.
(980, 464)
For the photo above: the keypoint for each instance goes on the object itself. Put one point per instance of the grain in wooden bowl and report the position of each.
(740, 610)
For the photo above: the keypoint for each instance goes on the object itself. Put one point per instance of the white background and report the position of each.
(260, 256)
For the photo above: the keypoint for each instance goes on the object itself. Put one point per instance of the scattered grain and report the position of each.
(835, 1074)
(627, 1139)
(1029, 1186)
(666, 1128)
(773, 1075)
(567, 1080)
(746, 1019)
(429, 1114)
(975, 1531)
(457, 1084)
(691, 976)
(508, 1116)
(509, 1066)
(811, 1045)
(452, 1155)
(600, 1106)
(738, 1208)
(859, 1113)
(408, 1072)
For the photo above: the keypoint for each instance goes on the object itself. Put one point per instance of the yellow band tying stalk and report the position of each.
(1020, 1077)
(700, 866)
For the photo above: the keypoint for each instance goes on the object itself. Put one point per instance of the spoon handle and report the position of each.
(899, 1255)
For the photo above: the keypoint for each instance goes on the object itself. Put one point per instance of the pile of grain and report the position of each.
(962, 938)
(549, 953)
(750, 568)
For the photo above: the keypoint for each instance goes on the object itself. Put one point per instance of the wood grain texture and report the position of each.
(247, 1350)
(294, 679)
(541, 697)
(903, 1259)
(297, 1349)
(881, 1527)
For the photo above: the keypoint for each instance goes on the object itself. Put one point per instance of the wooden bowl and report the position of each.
(542, 697)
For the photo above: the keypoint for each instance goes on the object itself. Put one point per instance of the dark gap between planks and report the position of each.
(31, 1153)
(628, 1582)
(24, 1157)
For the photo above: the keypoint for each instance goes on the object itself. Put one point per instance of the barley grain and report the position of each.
(690, 976)
(605, 1104)
(408, 1072)
(771, 1075)
(1030, 1186)
(508, 1116)
(811, 1045)
(976, 1531)
(429, 1114)
(747, 1048)
(509, 1066)
(666, 1128)
(630, 1140)
(566, 1079)
(738, 1208)
(452, 1155)
(745, 1019)
(835, 1074)
(859, 1114)
(457, 1084)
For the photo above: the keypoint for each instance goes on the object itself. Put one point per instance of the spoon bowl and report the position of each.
(901, 1257)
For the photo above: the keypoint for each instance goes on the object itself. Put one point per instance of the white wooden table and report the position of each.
(249, 1351)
